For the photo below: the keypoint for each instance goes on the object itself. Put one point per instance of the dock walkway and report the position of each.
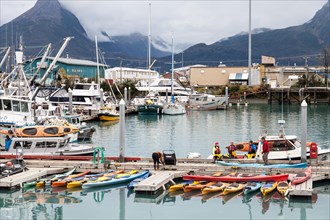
(26, 176)
(157, 181)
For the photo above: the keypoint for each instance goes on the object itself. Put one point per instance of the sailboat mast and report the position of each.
(97, 63)
(149, 37)
(172, 66)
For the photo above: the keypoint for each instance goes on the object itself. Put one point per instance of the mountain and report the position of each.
(289, 45)
(48, 22)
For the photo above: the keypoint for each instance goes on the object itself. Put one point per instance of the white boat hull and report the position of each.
(174, 109)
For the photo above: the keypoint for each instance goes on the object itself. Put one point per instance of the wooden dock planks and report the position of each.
(303, 189)
(157, 180)
(26, 176)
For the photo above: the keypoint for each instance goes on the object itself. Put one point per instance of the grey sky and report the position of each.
(191, 21)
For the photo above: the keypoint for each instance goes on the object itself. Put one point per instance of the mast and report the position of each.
(250, 42)
(149, 37)
(97, 63)
(172, 68)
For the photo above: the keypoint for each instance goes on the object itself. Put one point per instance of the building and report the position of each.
(120, 74)
(65, 67)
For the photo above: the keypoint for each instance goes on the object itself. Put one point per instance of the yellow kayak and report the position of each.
(126, 174)
(196, 186)
(233, 187)
(268, 187)
(282, 187)
(219, 186)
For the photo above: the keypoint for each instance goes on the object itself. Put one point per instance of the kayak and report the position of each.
(252, 187)
(218, 186)
(112, 181)
(47, 181)
(238, 178)
(281, 165)
(78, 182)
(196, 186)
(282, 187)
(233, 187)
(268, 187)
(179, 186)
(302, 177)
(73, 177)
(134, 182)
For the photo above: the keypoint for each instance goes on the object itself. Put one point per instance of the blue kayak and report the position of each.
(113, 181)
(251, 187)
(257, 165)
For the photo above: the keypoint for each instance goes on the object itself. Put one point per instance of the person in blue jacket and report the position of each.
(7, 142)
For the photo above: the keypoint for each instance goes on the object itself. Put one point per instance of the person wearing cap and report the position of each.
(216, 152)
(252, 150)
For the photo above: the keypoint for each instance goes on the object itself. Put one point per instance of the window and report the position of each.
(16, 106)
(24, 107)
(7, 104)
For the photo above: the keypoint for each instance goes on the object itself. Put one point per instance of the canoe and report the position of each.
(302, 177)
(282, 165)
(73, 177)
(40, 131)
(179, 186)
(134, 182)
(233, 187)
(196, 186)
(268, 187)
(218, 186)
(251, 187)
(282, 187)
(238, 178)
(113, 181)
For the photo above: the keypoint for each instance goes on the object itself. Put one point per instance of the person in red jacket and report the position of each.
(265, 150)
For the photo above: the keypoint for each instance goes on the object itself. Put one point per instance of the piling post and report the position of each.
(303, 130)
(129, 95)
(122, 130)
(125, 95)
(101, 98)
(226, 92)
(70, 101)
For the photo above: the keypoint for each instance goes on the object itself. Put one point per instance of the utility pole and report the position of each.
(306, 66)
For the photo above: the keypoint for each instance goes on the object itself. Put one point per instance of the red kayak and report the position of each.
(302, 177)
(239, 178)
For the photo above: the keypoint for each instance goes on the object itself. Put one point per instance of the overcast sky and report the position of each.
(191, 21)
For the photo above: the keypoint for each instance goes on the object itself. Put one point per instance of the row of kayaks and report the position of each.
(233, 182)
(227, 188)
(87, 180)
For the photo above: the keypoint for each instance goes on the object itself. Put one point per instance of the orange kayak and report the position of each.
(197, 185)
(70, 178)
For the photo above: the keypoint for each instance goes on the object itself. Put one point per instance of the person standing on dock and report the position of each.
(157, 157)
(265, 150)
(7, 143)
(216, 152)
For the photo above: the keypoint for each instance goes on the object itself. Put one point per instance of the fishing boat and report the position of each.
(238, 178)
(257, 165)
(218, 186)
(282, 187)
(113, 181)
(151, 106)
(46, 146)
(108, 114)
(205, 102)
(233, 187)
(251, 187)
(268, 187)
(302, 176)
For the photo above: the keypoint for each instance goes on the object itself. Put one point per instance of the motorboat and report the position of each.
(150, 106)
(108, 114)
(283, 147)
(205, 102)
(46, 146)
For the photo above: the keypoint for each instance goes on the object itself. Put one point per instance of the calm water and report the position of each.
(193, 132)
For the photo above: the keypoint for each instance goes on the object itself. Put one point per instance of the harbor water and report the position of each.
(193, 132)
